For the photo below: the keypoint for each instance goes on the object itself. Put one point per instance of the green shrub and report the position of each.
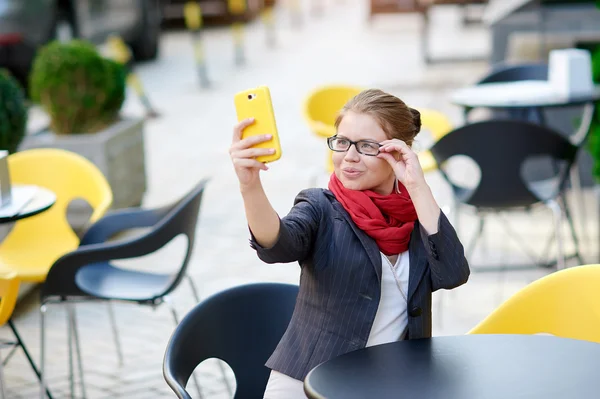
(116, 95)
(594, 136)
(13, 112)
(81, 91)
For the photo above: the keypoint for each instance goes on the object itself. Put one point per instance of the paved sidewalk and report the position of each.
(190, 142)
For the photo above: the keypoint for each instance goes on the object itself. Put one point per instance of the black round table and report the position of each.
(463, 367)
(42, 200)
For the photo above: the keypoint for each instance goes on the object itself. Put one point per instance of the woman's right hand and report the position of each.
(243, 156)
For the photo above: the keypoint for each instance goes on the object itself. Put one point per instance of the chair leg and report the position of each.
(456, 216)
(569, 218)
(578, 191)
(42, 351)
(557, 212)
(72, 316)
(115, 332)
(193, 288)
(10, 354)
(27, 354)
(70, 349)
(474, 240)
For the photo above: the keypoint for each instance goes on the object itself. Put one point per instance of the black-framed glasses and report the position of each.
(342, 144)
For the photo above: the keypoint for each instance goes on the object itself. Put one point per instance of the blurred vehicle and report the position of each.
(25, 25)
(216, 11)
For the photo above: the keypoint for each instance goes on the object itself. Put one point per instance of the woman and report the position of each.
(372, 248)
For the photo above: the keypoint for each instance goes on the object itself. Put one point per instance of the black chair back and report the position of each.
(169, 222)
(513, 73)
(502, 150)
(241, 326)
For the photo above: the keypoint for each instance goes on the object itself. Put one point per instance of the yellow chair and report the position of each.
(438, 125)
(565, 303)
(321, 108)
(35, 243)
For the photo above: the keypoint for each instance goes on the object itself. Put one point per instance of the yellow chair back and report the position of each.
(438, 124)
(321, 108)
(9, 290)
(323, 104)
(35, 243)
(565, 303)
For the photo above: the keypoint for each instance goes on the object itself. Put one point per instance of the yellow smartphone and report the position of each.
(256, 103)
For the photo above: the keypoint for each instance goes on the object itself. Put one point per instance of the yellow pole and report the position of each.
(193, 21)
(118, 51)
(237, 8)
(268, 19)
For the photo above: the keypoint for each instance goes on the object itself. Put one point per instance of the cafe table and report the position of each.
(520, 94)
(463, 367)
(41, 199)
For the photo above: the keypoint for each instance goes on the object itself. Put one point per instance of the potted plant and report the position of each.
(13, 112)
(82, 93)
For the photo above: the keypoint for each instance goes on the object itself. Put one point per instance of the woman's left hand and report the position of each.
(404, 161)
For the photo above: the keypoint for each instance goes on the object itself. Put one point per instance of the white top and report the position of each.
(391, 318)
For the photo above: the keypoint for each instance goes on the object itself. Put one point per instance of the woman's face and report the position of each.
(359, 171)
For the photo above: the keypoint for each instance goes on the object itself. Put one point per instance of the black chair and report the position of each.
(507, 153)
(241, 326)
(88, 274)
(562, 120)
(119, 222)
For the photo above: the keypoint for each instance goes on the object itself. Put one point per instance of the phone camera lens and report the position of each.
(251, 96)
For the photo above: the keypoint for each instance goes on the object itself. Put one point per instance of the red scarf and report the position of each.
(388, 219)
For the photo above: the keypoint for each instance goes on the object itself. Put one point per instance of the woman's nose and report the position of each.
(352, 155)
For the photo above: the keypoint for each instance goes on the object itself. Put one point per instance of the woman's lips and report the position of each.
(351, 173)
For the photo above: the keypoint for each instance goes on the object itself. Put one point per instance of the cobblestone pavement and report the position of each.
(190, 141)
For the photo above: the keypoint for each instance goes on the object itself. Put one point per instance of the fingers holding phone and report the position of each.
(238, 129)
(243, 153)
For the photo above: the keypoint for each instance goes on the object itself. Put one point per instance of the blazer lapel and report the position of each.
(367, 242)
(417, 261)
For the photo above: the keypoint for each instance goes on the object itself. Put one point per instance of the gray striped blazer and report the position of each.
(340, 281)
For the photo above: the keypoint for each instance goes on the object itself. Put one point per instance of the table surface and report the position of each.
(463, 367)
(42, 201)
(524, 93)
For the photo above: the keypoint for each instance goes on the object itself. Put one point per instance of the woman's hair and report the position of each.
(397, 120)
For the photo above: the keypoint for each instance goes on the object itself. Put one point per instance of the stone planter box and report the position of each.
(118, 151)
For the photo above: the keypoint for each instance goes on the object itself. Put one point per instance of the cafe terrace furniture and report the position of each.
(241, 326)
(462, 367)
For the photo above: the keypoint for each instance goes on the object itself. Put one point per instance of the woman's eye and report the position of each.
(369, 146)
